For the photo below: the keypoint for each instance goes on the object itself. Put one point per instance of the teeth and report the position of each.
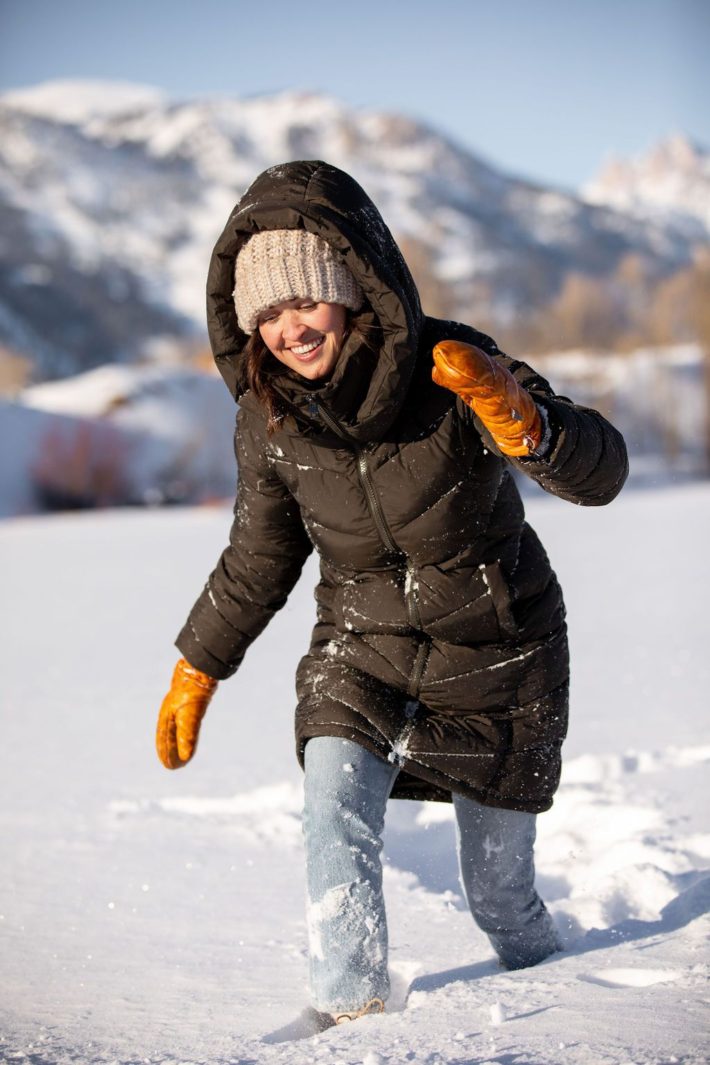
(303, 349)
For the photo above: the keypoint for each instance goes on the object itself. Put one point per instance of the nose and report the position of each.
(293, 325)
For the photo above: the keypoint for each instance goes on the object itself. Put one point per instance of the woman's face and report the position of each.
(305, 336)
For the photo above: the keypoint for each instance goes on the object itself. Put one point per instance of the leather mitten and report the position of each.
(181, 714)
(508, 412)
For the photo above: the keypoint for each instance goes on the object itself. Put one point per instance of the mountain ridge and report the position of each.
(671, 179)
(112, 211)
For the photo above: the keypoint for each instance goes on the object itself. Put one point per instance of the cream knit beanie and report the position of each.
(288, 264)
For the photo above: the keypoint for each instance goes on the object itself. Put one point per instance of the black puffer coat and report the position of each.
(440, 640)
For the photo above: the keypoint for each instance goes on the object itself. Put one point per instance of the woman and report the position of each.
(438, 666)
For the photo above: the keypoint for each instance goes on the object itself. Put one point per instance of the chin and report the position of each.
(316, 371)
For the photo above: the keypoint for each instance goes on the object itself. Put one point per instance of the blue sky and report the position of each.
(543, 88)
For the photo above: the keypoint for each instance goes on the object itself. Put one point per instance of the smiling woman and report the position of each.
(438, 664)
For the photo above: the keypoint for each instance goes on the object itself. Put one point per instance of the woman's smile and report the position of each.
(304, 351)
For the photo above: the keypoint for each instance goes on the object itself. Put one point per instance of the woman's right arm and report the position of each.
(267, 548)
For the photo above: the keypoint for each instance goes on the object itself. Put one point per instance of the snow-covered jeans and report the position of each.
(346, 792)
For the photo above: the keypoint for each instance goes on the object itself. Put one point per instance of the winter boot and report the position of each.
(312, 1022)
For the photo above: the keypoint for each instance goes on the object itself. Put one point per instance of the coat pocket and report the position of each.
(500, 596)
(466, 604)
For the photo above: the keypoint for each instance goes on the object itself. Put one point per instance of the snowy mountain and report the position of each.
(111, 198)
(78, 101)
(670, 184)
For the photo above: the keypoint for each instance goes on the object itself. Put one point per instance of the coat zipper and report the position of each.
(375, 508)
(373, 502)
(418, 668)
(410, 585)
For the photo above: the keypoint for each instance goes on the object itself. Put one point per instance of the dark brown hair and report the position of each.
(262, 369)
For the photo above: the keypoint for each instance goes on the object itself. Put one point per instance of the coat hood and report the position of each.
(367, 388)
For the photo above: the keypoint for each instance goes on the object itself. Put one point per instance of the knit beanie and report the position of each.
(288, 264)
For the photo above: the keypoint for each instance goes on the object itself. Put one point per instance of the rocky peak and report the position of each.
(671, 181)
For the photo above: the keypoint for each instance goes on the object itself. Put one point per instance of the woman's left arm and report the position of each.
(571, 451)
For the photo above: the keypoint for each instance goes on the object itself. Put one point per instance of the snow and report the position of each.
(672, 180)
(161, 431)
(148, 916)
(655, 395)
(81, 100)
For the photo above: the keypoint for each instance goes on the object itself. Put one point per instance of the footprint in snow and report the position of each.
(270, 814)
(619, 978)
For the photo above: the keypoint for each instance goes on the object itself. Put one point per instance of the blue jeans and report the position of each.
(346, 792)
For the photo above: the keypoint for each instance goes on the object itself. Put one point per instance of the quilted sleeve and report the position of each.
(585, 460)
(256, 572)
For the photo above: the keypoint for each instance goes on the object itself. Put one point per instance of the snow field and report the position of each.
(156, 917)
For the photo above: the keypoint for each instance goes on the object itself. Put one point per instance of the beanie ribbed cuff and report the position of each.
(288, 264)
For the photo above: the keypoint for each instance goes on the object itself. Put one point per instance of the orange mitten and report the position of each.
(508, 412)
(181, 714)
